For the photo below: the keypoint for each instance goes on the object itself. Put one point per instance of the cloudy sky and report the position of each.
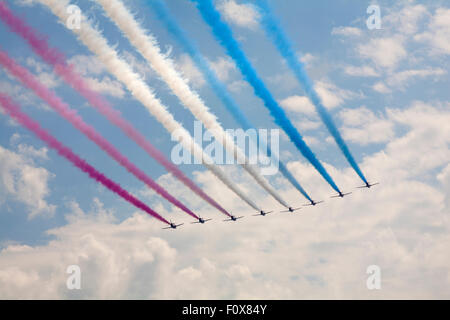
(387, 90)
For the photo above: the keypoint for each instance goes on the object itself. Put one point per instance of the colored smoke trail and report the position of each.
(96, 42)
(57, 59)
(172, 26)
(147, 45)
(225, 36)
(14, 111)
(284, 45)
(30, 81)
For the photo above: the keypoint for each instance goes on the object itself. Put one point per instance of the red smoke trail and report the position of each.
(70, 115)
(14, 111)
(57, 59)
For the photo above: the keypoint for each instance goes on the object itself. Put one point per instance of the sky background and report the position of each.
(387, 90)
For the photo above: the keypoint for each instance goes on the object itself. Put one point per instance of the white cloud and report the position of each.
(444, 178)
(383, 52)
(244, 15)
(402, 78)
(305, 125)
(31, 152)
(307, 58)
(43, 73)
(140, 66)
(87, 65)
(346, 31)
(423, 147)
(24, 182)
(18, 93)
(298, 104)
(106, 85)
(190, 71)
(381, 87)
(334, 242)
(285, 81)
(224, 68)
(93, 72)
(437, 35)
(238, 85)
(364, 71)
(331, 95)
(401, 225)
(405, 20)
(364, 127)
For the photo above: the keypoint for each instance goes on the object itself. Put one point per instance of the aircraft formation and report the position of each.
(146, 44)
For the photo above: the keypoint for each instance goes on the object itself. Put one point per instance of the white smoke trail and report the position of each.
(148, 46)
(95, 41)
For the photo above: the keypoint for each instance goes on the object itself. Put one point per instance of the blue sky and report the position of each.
(386, 89)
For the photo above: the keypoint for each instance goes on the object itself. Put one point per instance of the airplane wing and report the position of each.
(290, 210)
(269, 212)
(310, 204)
(195, 222)
(255, 215)
(167, 228)
(239, 217)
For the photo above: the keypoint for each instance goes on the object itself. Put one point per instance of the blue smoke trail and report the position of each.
(284, 45)
(225, 36)
(164, 15)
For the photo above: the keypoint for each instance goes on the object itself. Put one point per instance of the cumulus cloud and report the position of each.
(298, 104)
(401, 225)
(364, 127)
(243, 15)
(400, 80)
(87, 64)
(334, 243)
(190, 71)
(383, 52)
(364, 71)
(331, 95)
(43, 73)
(306, 124)
(381, 87)
(106, 85)
(17, 92)
(94, 73)
(224, 68)
(407, 19)
(346, 31)
(24, 182)
(437, 34)
(392, 55)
